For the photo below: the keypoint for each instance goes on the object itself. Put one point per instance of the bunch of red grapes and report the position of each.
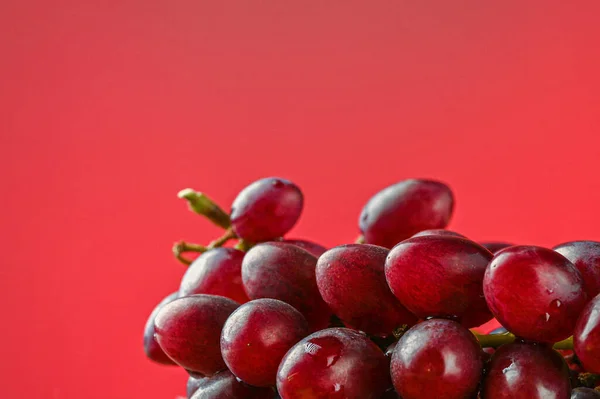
(390, 316)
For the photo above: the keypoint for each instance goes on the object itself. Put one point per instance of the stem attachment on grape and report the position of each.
(243, 245)
(360, 239)
(564, 344)
(181, 247)
(202, 205)
(219, 242)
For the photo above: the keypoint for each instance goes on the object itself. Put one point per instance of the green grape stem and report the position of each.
(496, 340)
(201, 204)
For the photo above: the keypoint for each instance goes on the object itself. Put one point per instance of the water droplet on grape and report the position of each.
(555, 303)
(547, 316)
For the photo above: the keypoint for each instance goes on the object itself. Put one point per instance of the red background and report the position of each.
(108, 108)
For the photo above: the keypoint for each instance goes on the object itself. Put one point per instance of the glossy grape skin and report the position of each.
(257, 336)
(334, 363)
(224, 385)
(438, 232)
(526, 371)
(189, 330)
(286, 272)
(312, 247)
(399, 211)
(351, 279)
(534, 292)
(584, 393)
(585, 255)
(586, 337)
(216, 272)
(439, 276)
(266, 209)
(192, 385)
(437, 358)
(153, 350)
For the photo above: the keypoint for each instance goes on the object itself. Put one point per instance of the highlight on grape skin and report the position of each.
(260, 314)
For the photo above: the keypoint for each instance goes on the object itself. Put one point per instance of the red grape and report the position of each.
(526, 371)
(439, 276)
(333, 363)
(266, 209)
(256, 337)
(189, 329)
(399, 211)
(351, 279)
(584, 393)
(586, 338)
(224, 385)
(534, 292)
(151, 347)
(286, 272)
(585, 255)
(437, 359)
(312, 247)
(216, 272)
(494, 246)
(438, 232)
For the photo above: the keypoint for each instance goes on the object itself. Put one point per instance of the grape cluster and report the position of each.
(394, 315)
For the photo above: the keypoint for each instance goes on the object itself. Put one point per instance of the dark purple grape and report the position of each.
(404, 209)
(534, 292)
(351, 279)
(437, 359)
(584, 393)
(314, 248)
(526, 371)
(224, 385)
(438, 232)
(586, 338)
(216, 272)
(257, 336)
(151, 347)
(286, 272)
(334, 363)
(585, 255)
(495, 246)
(192, 385)
(266, 209)
(440, 276)
(189, 330)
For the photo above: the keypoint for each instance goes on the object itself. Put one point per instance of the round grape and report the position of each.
(286, 272)
(526, 371)
(437, 359)
(399, 211)
(151, 347)
(586, 338)
(189, 329)
(333, 363)
(266, 209)
(534, 292)
(585, 255)
(257, 336)
(439, 276)
(224, 385)
(216, 272)
(351, 279)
